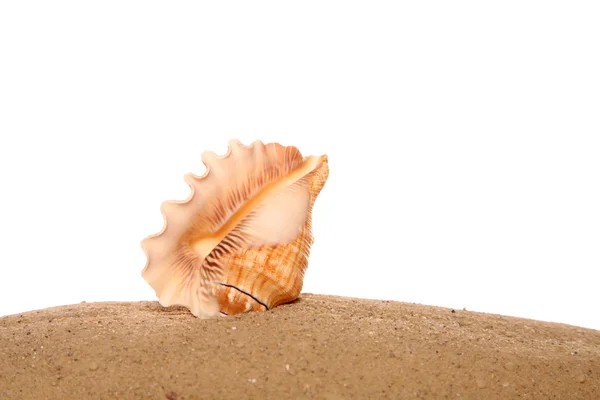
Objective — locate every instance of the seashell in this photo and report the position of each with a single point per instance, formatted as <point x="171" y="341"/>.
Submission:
<point x="241" y="241"/>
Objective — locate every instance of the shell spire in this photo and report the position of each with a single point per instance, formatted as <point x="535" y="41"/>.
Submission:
<point x="241" y="241"/>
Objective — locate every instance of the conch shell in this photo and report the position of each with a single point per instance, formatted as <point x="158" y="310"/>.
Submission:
<point x="241" y="241"/>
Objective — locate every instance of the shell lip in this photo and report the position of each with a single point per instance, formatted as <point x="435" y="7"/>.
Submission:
<point x="232" y="143"/>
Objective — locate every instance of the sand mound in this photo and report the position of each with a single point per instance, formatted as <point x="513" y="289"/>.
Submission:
<point x="320" y="347"/>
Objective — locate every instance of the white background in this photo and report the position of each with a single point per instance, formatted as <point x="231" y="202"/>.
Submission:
<point x="463" y="141"/>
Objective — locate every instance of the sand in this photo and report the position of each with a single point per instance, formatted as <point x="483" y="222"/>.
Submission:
<point x="319" y="347"/>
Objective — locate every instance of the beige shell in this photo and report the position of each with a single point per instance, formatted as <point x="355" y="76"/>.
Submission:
<point x="241" y="241"/>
